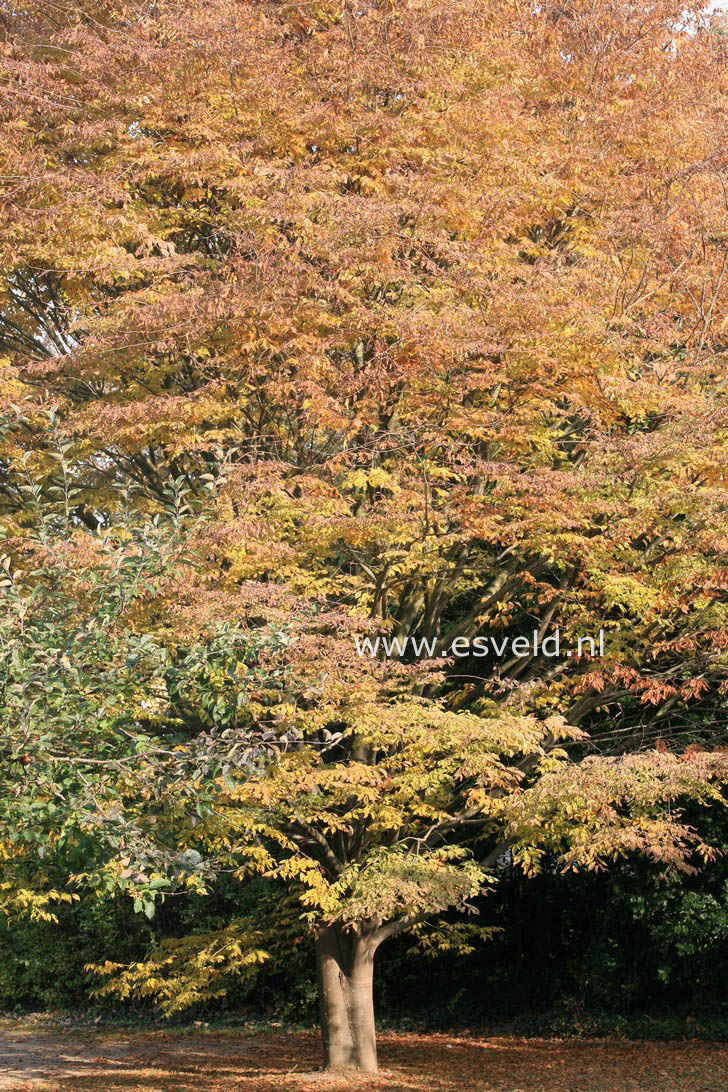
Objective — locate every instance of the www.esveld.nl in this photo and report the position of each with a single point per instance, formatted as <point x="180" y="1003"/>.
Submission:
<point x="430" y="648"/>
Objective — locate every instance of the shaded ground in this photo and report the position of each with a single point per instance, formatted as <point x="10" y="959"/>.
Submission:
<point x="226" y="1061"/>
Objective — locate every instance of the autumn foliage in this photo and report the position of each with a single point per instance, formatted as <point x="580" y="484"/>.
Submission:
<point x="401" y="317"/>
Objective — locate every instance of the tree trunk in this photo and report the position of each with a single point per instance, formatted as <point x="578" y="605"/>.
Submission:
<point x="345" y="963"/>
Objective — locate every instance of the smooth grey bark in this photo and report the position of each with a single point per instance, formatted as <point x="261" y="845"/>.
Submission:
<point x="345" y="965"/>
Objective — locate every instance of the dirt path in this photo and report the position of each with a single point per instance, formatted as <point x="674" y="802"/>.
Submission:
<point x="89" y="1061"/>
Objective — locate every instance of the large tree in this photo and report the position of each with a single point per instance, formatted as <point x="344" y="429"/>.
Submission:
<point x="436" y="294"/>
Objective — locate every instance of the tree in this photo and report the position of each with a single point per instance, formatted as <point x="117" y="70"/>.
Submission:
<point x="438" y="292"/>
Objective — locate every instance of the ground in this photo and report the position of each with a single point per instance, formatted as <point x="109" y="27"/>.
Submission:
<point x="51" y="1059"/>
